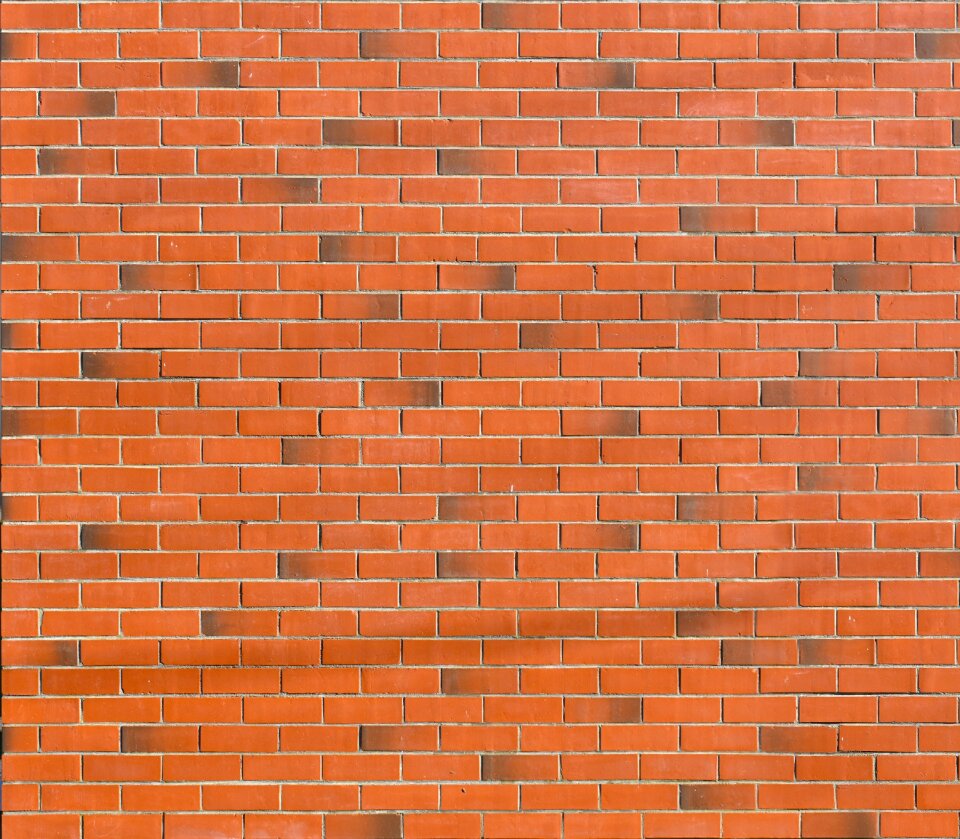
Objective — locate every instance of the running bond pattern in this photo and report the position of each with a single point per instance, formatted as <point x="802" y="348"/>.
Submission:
<point x="480" y="419"/>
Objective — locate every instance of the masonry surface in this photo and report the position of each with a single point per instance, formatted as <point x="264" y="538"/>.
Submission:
<point x="480" y="419"/>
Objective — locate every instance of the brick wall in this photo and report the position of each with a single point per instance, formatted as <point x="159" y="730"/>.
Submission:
<point x="502" y="419"/>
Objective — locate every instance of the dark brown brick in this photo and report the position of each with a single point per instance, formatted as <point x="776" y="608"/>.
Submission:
<point x="455" y="681"/>
<point x="82" y="103"/>
<point x="476" y="508"/>
<point x="714" y="623"/>
<point x="143" y="277"/>
<point x="600" y="537"/>
<point x="120" y="365"/>
<point x="358" y="248"/>
<point x="717" y="797"/>
<point x="544" y="336"/>
<point x="476" y="162"/>
<point x="603" y="709"/>
<point x="478" y="277"/>
<point x="756" y="132"/>
<point x="596" y="75"/>
<point x="18" y="738"/>
<point x="520" y="15"/>
<point x="405" y="45"/>
<point x="861" y="277"/>
<point x="515" y="767"/>
<point x="37" y="422"/>
<point x="306" y="450"/>
<point x="938" y="45"/>
<point x="118" y="537"/>
<point x="281" y="190"/>
<point x="398" y="738"/>
<point x="74" y="161"/>
<point x="826" y="478"/>
<point x="758" y="652"/>
<point x="715" y="508"/>
<point x="837" y="363"/>
<point x="200" y="74"/>
<point x="842" y="825"/>
<point x="468" y="565"/>
<point x="364" y="825"/>
<point x="600" y="423"/>
<point x="402" y="393"/>
<point x="18" y="336"/>
<point x="680" y="306"/>
<point x="799" y="392"/>
<point x="802" y="739"/>
<point x="17" y="247"/>
<point x="708" y="219"/>
<point x="937" y="219"/>
<point x="361" y="132"/>
<point x="836" y="651"/>
<point x="310" y="566"/>
<point x="138" y="739"/>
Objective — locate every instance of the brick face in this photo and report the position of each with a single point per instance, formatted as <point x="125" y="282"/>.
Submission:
<point x="480" y="419"/>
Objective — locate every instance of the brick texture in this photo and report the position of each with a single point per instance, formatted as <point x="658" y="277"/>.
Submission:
<point x="480" y="419"/>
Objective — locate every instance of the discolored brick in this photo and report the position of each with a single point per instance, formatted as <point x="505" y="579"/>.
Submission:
<point x="360" y="132"/>
<point x="860" y="277"/>
<point x="717" y="219"/>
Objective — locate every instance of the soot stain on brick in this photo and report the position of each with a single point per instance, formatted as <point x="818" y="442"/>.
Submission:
<point x="137" y="739"/>
<point x="537" y="336"/>
<point x="134" y="277"/>
<point x="451" y="682"/>
<point x="598" y="75"/>
<point x="497" y="16"/>
<point x="212" y="623"/>
<point x="374" y="738"/>
<point x="96" y="365"/>
<point x="696" y="796"/>
<point x="300" y="190"/>
<point x="281" y="189"/>
<point x="98" y="103"/>
<point x="93" y="537"/>
<point x="393" y="738"/>
<point x="502" y="277"/>
<point x="457" y="565"/>
<point x="66" y="653"/>
<point x="450" y="507"/>
<point x="608" y="423"/>
<point x="292" y="566"/>
<point x="337" y="131"/>
<point x="713" y="623"/>
<point x="385" y="825"/>
<point x="15" y="247"/>
<point x="11" y="423"/>
<point x="459" y="162"/>
<point x="382" y="44"/>
<point x="621" y="709"/>
<point x="717" y="219"/>
<point x="693" y="508"/>
<point x="942" y="422"/>
<point x="937" y="45"/>
<point x="299" y="451"/>
<point x="937" y="219"/>
<point x="385" y="307"/>
<point x="776" y="132"/>
<point x="52" y="161"/>
<point x="222" y="73"/>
